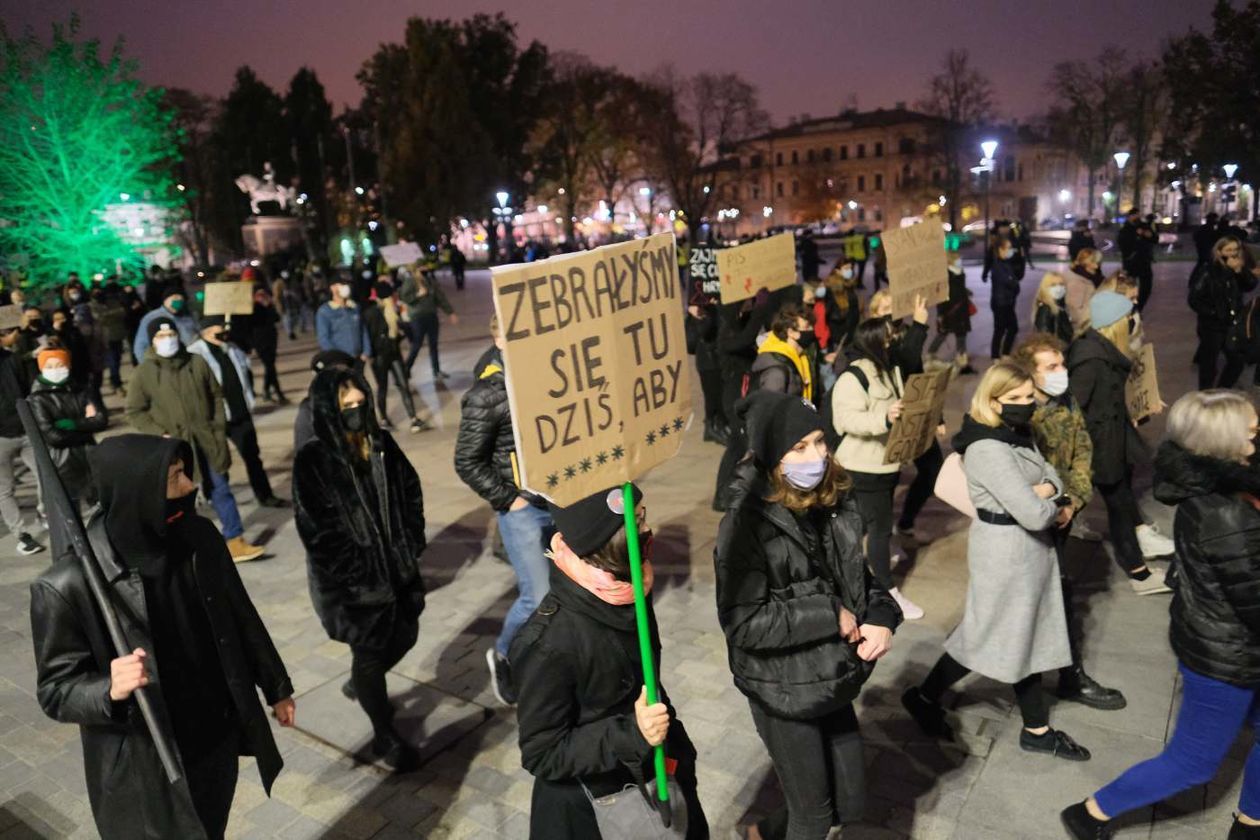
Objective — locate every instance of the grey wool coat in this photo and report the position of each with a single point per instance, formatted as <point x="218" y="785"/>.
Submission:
<point x="1013" y="624"/>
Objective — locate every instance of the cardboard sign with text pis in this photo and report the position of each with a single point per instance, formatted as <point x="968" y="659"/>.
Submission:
<point x="596" y="365"/>
<point x="404" y="253"/>
<point x="229" y="299"/>
<point x="765" y="263"/>
<point x="10" y="317"/>
<point x="917" y="265"/>
<point x="922" y="406"/>
<point x="1141" y="391"/>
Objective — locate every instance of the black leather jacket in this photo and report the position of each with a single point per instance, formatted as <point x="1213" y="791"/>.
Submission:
<point x="68" y="447"/>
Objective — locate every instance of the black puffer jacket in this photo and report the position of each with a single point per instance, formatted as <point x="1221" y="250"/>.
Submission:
<point x="362" y="523"/>
<point x="68" y="447"/>
<point x="1216" y="295"/>
<point x="384" y="348"/>
<point x="1053" y="321"/>
<point x="1215" y="609"/>
<point x="1098" y="372"/>
<point x="779" y="598"/>
<point x="485" y="450"/>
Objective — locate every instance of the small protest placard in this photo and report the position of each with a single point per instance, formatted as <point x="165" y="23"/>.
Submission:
<point x="404" y="253"/>
<point x="10" y="317"/>
<point x="917" y="265"/>
<point x="229" y="298"/>
<point x="922" y="406"/>
<point x="765" y="263"/>
<point x="1141" y="392"/>
<point x="595" y="362"/>
<point x="703" y="270"/>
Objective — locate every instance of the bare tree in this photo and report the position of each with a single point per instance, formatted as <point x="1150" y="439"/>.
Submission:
<point x="1143" y="110"/>
<point x="962" y="97"/>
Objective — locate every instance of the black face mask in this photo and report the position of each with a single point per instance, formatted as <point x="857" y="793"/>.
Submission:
<point x="807" y="339"/>
<point x="1018" y="416"/>
<point x="354" y="419"/>
<point x="178" y="509"/>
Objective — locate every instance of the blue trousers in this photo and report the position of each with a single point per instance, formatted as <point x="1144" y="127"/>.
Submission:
<point x="224" y="503"/>
<point x="525" y="533"/>
<point x="1212" y="713"/>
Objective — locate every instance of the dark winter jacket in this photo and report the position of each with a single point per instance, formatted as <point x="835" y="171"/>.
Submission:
<point x="737" y="336"/>
<point x="1215" y="628"/>
<point x="15" y="383"/>
<point x="702" y="338"/>
<point x="384" y="348"/>
<point x="428" y="303"/>
<point x="774" y="372"/>
<point x="59" y="412"/>
<point x="905" y="350"/>
<point x="1216" y="295"/>
<point x="1079" y="241"/>
<point x="362" y="523"/>
<point x="1054" y="321"/>
<point x="1005" y="283"/>
<point x="259" y="333"/>
<point x="1098" y="372"/>
<point x="954" y="315"/>
<point x="779" y="594"/>
<point x="127" y="787"/>
<point x="485" y="450"/>
<point x="180" y="397"/>
<point x="578" y="672"/>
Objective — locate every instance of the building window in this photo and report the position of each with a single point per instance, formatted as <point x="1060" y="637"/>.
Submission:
<point x="879" y="149"/>
<point x="795" y="158"/>
<point x="826" y="154"/>
<point x="796" y="187"/>
<point x="861" y="214"/>
<point x="879" y="215"/>
<point x="844" y="153"/>
<point x="905" y="146"/>
<point x="861" y="150"/>
<point x="756" y="192"/>
<point x="778" y="189"/>
<point x="778" y="158"/>
<point x="1020" y="175"/>
<point x="861" y="181"/>
<point x="754" y="162"/>
<point x="1008" y="167"/>
<point x="879" y="182"/>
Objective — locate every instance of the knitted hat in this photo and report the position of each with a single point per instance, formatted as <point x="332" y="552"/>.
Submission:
<point x="52" y="353"/>
<point x="776" y="423"/>
<point x="331" y="358"/>
<point x="159" y="324"/>
<point x="1105" y="308"/>
<point x="383" y="290"/>
<point x="589" y="524"/>
<point x="213" y="321"/>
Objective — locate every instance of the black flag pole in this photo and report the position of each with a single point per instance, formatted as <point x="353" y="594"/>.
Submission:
<point x="63" y="516"/>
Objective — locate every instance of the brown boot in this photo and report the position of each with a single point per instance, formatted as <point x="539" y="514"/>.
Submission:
<point x="243" y="552"/>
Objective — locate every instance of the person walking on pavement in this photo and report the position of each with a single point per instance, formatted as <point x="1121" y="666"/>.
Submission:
<point x="231" y="370"/>
<point x="1205" y="469"/>
<point x="1137" y="241"/>
<point x="804" y="618"/>
<point x="175" y="394"/>
<point x="1013" y="626"/>
<point x="1006" y="272"/>
<point x="189" y="619"/>
<point x="339" y="325"/>
<point x="111" y="319"/>
<point x="1062" y="437"/>
<point x="701" y="326"/>
<point x="807" y="251"/>
<point x="174" y="309"/>
<point x="383" y="323"/>
<point x="15" y="384"/>
<point x="485" y="460"/>
<point x="68" y="418"/>
<point x="458" y="265"/>
<point x="953" y="317"/>
<point x="423" y="298"/>
<point x="1216" y="296"/>
<point x="264" y="341"/>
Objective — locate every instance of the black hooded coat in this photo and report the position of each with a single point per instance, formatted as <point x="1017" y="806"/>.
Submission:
<point x="362" y="522"/>
<point x="127" y="787"/>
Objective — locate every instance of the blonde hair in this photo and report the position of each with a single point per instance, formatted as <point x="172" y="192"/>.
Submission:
<point x="1117" y="332"/>
<point x="1050" y="278"/>
<point x="1087" y="255"/>
<point x="999" y="380"/>
<point x="1119" y="282"/>
<point x="1218" y="250"/>
<point x="1214" y="423"/>
<point x="876" y="299"/>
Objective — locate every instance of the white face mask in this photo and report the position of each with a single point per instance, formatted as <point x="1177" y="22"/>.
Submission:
<point x="166" y="347"/>
<point x="56" y="375"/>
<point x="955" y="268"/>
<point x="846" y="273"/>
<point x="820" y="291"/>
<point x="1056" y="382"/>
<point x="343" y="291"/>
<point x="1058" y="292"/>
<point x="366" y="275"/>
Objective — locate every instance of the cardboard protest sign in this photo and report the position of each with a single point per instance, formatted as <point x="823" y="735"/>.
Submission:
<point x="404" y="253"/>
<point x="10" y="317"/>
<point x="922" y="406"/>
<point x="917" y="265"/>
<point x="1141" y="392"/>
<point x="765" y="263"/>
<point x="703" y="270"/>
<point x="596" y="367"/>
<point x="229" y="299"/>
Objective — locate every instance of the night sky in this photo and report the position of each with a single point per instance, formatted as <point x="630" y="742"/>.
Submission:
<point x="805" y="56"/>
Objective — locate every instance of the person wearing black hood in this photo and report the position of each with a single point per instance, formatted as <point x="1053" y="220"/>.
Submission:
<point x="304" y="422"/>
<point x="198" y="644"/>
<point x="1216" y="296"/>
<point x="585" y="727"/>
<point x="739" y="324"/>
<point x="384" y="326"/>
<point x="1014" y="626"/>
<point x="360" y="514"/>
<point x="804" y="617"/>
<point x="1206" y="469"/>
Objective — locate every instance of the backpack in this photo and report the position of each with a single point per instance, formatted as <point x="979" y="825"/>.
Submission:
<point x="749" y="382"/>
<point x="830" y="434"/>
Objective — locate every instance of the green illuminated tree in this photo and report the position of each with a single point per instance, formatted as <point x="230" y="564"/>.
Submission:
<point x="77" y="134"/>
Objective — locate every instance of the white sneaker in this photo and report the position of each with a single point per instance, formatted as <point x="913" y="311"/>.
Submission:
<point x="909" y="609"/>
<point x="1153" y="543"/>
<point x="1084" y="533"/>
<point x="1153" y="585"/>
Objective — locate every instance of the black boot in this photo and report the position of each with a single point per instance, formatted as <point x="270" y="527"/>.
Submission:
<point x="1241" y="831"/>
<point x="1080" y="687"/>
<point x="1053" y="742"/>
<point x="394" y="752"/>
<point x="1082" y="826"/>
<point x="715" y="432"/>
<point x="928" y="714"/>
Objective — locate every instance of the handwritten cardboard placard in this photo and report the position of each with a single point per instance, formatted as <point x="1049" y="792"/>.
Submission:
<point x="595" y="359"/>
<point x="404" y="253"/>
<point x="10" y="317"/>
<point x="1141" y="391"/>
<point x="922" y="406"/>
<point x="230" y="298"/>
<point x="917" y="265"/>
<point x="765" y="263"/>
<point x="702" y="268"/>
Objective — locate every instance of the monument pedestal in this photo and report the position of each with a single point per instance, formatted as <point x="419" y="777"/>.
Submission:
<point x="267" y="235"/>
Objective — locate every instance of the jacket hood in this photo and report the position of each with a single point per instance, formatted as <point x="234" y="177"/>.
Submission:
<point x="973" y="430"/>
<point x="326" y="408"/>
<point x="490" y="363"/>
<point x="1181" y="475"/>
<point x="1092" y="345"/>
<point x="130" y="472"/>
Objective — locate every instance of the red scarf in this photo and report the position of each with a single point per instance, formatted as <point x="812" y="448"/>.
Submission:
<point x="600" y="583"/>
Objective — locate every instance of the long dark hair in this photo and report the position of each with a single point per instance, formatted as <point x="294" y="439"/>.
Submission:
<point x="870" y="340"/>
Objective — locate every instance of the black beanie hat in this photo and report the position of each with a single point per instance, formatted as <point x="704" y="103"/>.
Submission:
<point x="331" y="358"/>
<point x="156" y="325"/>
<point x="383" y="290"/>
<point x="214" y="321"/>
<point x="775" y="423"/>
<point x="589" y="524"/>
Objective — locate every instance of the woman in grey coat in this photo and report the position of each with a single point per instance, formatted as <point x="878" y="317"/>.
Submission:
<point x="1013" y="626"/>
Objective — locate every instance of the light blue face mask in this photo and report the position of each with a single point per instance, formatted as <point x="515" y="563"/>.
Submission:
<point x="805" y="475"/>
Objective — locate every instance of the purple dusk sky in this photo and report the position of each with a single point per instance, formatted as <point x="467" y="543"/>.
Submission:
<point x="804" y="56"/>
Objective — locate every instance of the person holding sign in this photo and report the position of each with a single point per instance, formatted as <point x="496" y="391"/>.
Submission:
<point x="586" y="729"/>
<point x="1013" y="627"/>
<point x="804" y="618"/>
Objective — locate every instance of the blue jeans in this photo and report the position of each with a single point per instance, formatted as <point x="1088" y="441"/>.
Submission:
<point x="525" y="535"/>
<point x="1211" y="714"/>
<point x="422" y="327"/>
<point x="224" y="503"/>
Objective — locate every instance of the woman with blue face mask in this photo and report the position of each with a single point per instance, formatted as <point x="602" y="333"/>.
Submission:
<point x="803" y="617"/>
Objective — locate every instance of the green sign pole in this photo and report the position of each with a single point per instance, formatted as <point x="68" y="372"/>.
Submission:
<point x="645" y="633"/>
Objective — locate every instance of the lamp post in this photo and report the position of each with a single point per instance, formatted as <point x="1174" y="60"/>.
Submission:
<point x="988" y="148"/>
<point x="1228" y="192"/>
<point x="503" y="213"/>
<point x="1121" y="159"/>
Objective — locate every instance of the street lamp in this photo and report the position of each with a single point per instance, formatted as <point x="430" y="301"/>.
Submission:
<point x="989" y="149"/>
<point x="1121" y="159"/>
<point x="1230" y="187"/>
<point x="1230" y="169"/>
<point x="502" y="196"/>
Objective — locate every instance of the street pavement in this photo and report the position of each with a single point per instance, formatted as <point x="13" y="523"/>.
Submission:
<point x="472" y="785"/>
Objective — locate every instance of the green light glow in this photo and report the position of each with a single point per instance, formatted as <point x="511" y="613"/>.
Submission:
<point x="77" y="133"/>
